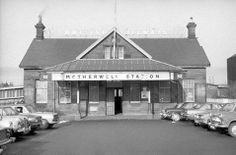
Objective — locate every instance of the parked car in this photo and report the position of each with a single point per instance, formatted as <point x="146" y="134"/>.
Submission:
<point x="10" y="119"/>
<point x="166" y="113"/>
<point x="176" y="111"/>
<point x="34" y="120"/>
<point x="189" y="114"/>
<point x="225" y="119"/>
<point x="203" y="118"/>
<point x="5" y="138"/>
<point x="49" y="119"/>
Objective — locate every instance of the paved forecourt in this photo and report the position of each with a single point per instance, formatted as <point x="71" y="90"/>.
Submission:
<point x="125" y="137"/>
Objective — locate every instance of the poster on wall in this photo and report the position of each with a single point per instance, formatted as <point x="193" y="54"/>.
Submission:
<point x="144" y="93"/>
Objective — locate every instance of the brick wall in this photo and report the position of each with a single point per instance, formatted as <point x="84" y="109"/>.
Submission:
<point x="199" y="75"/>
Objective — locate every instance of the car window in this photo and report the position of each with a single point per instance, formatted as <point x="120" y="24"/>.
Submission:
<point x="9" y="111"/>
<point x="2" y="112"/>
<point x="228" y="107"/>
<point x="216" y="106"/>
<point x="31" y="109"/>
<point x="234" y="109"/>
<point x="197" y="106"/>
<point x="19" y="109"/>
<point x="179" y="105"/>
<point x="188" y="105"/>
<point x="206" y="107"/>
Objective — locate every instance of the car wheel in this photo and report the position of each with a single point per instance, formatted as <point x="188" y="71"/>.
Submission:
<point x="232" y="129"/>
<point x="45" y="124"/>
<point x="175" y="117"/>
<point x="51" y="126"/>
<point x="195" y="124"/>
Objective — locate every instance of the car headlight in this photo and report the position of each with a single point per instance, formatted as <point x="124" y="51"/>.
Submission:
<point x="197" y="116"/>
<point x="17" y="125"/>
<point x="217" y="119"/>
<point x="31" y="119"/>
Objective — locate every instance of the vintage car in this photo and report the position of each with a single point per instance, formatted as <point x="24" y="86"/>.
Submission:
<point x="203" y="118"/>
<point x="10" y="119"/>
<point x="34" y="120"/>
<point x="189" y="114"/>
<point x="48" y="118"/>
<point x="166" y="113"/>
<point x="5" y="138"/>
<point x="176" y="111"/>
<point x="225" y="119"/>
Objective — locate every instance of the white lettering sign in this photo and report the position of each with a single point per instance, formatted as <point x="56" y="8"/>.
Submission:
<point x="110" y="76"/>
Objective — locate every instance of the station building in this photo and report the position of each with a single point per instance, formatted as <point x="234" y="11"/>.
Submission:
<point x="113" y="74"/>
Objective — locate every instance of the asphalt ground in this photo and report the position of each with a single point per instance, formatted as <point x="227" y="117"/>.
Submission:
<point x="124" y="137"/>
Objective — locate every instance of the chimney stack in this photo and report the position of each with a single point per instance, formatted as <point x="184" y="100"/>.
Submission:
<point x="40" y="29"/>
<point x="191" y="29"/>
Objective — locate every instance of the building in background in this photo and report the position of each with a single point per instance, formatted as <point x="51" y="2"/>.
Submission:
<point x="113" y="74"/>
<point x="11" y="95"/>
<point x="231" y="75"/>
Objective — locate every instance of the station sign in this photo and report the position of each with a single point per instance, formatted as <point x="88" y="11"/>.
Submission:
<point x="113" y="76"/>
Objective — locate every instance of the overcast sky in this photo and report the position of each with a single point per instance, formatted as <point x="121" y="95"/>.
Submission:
<point x="215" y="19"/>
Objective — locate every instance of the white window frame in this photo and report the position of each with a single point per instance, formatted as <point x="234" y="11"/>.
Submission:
<point x="65" y="86"/>
<point x="107" y="52"/>
<point x="41" y="91"/>
<point x="121" y="50"/>
<point x="189" y="90"/>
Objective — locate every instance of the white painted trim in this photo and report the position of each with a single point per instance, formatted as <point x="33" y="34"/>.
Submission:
<point x="135" y="45"/>
<point x="106" y="35"/>
<point x="94" y="44"/>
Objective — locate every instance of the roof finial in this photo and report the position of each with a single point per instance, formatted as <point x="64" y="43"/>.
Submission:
<point x="40" y="18"/>
<point x="115" y="14"/>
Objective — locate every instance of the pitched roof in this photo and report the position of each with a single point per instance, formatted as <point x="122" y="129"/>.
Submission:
<point x="178" y="52"/>
<point x="113" y="65"/>
<point x="175" y="51"/>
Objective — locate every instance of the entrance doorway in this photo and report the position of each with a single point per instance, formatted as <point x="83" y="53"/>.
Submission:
<point x="118" y="94"/>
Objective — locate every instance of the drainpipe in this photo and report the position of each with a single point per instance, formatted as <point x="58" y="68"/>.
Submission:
<point x="53" y="96"/>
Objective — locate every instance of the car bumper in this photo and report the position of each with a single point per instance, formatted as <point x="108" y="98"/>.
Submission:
<point x="23" y="130"/>
<point x="53" y="122"/>
<point x="35" y="125"/>
<point x="215" y="125"/>
<point x="201" y="121"/>
<point x="165" y="115"/>
<point x="6" y="141"/>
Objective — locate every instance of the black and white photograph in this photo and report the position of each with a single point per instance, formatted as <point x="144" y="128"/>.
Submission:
<point x="117" y="77"/>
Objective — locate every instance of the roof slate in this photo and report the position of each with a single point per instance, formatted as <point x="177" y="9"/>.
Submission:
<point x="113" y="65"/>
<point x="176" y="51"/>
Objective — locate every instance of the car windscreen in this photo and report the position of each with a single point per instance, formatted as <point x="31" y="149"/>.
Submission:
<point x="188" y="105"/>
<point x="31" y="109"/>
<point x="9" y="111"/>
<point x="179" y="105"/>
<point x="197" y="106"/>
<point x="228" y="107"/>
<point x="205" y="107"/>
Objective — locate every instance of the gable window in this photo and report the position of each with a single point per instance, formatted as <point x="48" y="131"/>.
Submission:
<point x="41" y="91"/>
<point x="108" y="52"/>
<point x="121" y="52"/>
<point x="111" y="54"/>
<point x="64" y="92"/>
